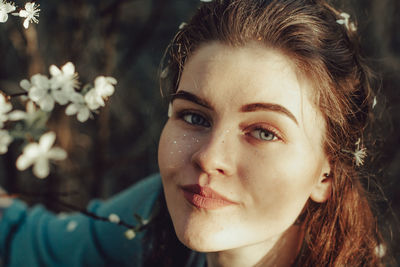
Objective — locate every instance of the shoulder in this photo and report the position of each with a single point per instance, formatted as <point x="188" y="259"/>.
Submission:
<point x="138" y="199"/>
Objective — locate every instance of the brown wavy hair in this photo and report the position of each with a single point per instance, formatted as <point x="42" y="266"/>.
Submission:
<point x="343" y="230"/>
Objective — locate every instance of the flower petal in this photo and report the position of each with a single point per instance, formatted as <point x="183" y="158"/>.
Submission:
<point x="26" y="23"/>
<point x="30" y="107"/>
<point x="77" y="98"/>
<point x="36" y="93"/>
<point x="5" y="140"/>
<point x="8" y="8"/>
<point x="25" y="84"/>
<point x="46" y="141"/>
<point x="130" y="234"/>
<point x="68" y="68"/>
<point x="40" y="80"/>
<point x="3" y="17"/>
<point x="72" y="109"/>
<point x="60" y="97"/>
<point x="54" y="70"/>
<point x="16" y="115"/>
<point x="92" y="99"/>
<point x="83" y="114"/>
<point x="46" y="103"/>
<point x="32" y="150"/>
<point x="111" y="80"/>
<point x="41" y="168"/>
<point x="23" y="162"/>
<point x="23" y="13"/>
<point x="57" y="153"/>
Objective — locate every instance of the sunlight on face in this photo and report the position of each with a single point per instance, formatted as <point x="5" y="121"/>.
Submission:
<point x="242" y="151"/>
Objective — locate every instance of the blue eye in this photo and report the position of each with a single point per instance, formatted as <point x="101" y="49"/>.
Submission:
<point x="195" y="119"/>
<point x="263" y="134"/>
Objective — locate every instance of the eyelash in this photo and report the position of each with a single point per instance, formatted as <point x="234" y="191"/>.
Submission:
<point x="183" y="114"/>
<point x="205" y="123"/>
<point x="267" y="131"/>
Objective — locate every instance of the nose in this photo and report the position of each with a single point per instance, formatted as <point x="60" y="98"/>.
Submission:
<point x="215" y="154"/>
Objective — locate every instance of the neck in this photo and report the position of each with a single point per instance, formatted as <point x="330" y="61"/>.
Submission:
<point x="280" y="251"/>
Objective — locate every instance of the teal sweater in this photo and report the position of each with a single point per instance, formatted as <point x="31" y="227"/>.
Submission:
<point x="37" y="237"/>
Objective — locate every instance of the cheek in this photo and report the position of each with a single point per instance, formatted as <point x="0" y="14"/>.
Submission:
<point x="175" y="149"/>
<point x="279" y="182"/>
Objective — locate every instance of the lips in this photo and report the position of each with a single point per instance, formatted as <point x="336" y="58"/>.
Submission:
<point x="205" y="197"/>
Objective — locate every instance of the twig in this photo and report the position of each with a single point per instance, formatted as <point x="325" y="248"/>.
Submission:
<point x="141" y="226"/>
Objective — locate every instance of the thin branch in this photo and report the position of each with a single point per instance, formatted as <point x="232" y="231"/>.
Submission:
<point x="18" y="94"/>
<point x="49" y="196"/>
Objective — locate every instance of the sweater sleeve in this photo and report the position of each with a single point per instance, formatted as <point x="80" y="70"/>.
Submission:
<point x="37" y="237"/>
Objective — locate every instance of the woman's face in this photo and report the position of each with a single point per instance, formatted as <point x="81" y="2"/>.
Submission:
<point x="242" y="151"/>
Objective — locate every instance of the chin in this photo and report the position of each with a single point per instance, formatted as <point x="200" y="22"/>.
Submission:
<point x="202" y="242"/>
<point x="207" y="236"/>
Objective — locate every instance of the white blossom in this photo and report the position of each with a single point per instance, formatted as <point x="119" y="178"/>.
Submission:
<point x="71" y="226"/>
<point x="39" y="154"/>
<point x="5" y="8"/>
<point x="345" y="20"/>
<point x="374" y="102"/>
<point x="164" y="73"/>
<point x="359" y="153"/>
<point x="114" y="218"/>
<point x="182" y="25"/>
<point x="79" y="107"/>
<point x="31" y="12"/>
<point x="130" y="234"/>
<point x="29" y="116"/>
<point x="64" y="81"/>
<point x="39" y="91"/>
<point x="5" y="141"/>
<point x="380" y="250"/>
<point x="5" y="107"/>
<point x="103" y="88"/>
<point x="93" y="99"/>
<point x="359" y="156"/>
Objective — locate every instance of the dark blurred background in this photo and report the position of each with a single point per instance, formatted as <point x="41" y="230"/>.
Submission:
<point x="126" y="39"/>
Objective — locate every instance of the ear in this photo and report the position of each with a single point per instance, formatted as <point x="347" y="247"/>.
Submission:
<point x="323" y="188"/>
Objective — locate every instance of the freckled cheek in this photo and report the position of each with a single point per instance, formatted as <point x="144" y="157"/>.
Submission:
<point x="176" y="148"/>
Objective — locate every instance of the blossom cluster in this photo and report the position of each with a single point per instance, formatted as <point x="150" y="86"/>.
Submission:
<point x="30" y="13"/>
<point x="42" y="93"/>
<point x="62" y="88"/>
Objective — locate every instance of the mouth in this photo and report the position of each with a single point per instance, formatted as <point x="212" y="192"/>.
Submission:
<point x="205" y="197"/>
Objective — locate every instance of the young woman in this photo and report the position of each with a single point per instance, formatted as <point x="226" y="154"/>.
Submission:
<point x="260" y="160"/>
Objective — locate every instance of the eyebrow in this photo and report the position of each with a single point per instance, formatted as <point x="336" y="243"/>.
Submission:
<point x="253" y="107"/>
<point x="268" y="107"/>
<point x="192" y="98"/>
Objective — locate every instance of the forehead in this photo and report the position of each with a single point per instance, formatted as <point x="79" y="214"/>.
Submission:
<point x="252" y="73"/>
